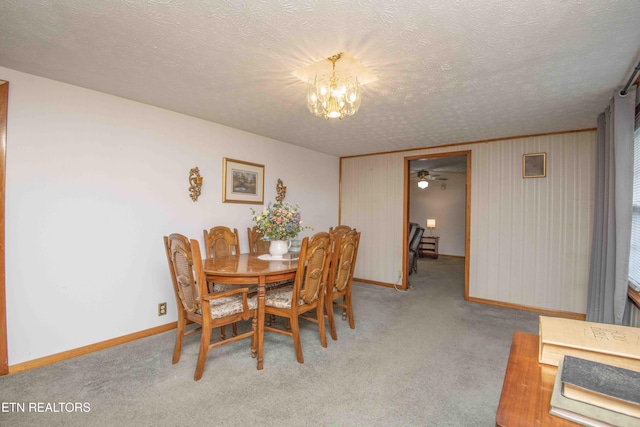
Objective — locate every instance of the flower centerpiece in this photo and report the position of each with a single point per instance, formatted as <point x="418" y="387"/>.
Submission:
<point x="279" y="222"/>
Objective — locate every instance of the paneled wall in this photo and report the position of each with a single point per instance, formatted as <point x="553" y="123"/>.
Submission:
<point x="530" y="238"/>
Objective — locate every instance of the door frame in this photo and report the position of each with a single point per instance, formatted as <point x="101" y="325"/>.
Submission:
<point x="4" y="106"/>
<point x="405" y="226"/>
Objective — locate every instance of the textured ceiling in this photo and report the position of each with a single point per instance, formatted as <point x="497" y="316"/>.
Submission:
<point x="448" y="71"/>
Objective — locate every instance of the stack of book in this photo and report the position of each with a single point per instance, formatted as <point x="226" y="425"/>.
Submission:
<point x="598" y="377"/>
<point x="596" y="394"/>
<point x="611" y="344"/>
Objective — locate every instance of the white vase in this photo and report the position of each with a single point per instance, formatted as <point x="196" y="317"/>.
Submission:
<point x="277" y="248"/>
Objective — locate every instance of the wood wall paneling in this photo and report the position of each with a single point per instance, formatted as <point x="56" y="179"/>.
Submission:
<point x="529" y="239"/>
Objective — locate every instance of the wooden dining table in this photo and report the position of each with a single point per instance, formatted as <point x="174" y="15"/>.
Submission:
<point x="247" y="269"/>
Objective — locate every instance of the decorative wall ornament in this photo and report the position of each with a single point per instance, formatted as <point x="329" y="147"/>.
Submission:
<point x="281" y="191"/>
<point x="196" y="183"/>
<point x="534" y="165"/>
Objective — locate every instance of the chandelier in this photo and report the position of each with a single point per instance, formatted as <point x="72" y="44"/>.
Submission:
<point x="333" y="97"/>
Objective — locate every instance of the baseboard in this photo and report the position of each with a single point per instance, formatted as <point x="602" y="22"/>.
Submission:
<point x="373" y="282"/>
<point x="566" y="314"/>
<point x="54" y="358"/>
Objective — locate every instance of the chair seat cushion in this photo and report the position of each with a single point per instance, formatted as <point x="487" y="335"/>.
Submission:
<point x="280" y="297"/>
<point x="227" y="306"/>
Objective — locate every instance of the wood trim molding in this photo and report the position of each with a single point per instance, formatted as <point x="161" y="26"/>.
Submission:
<point x="566" y="314"/>
<point x="467" y="238"/>
<point x="634" y="297"/>
<point x="373" y="282"/>
<point x="457" y="144"/>
<point x="4" y="107"/>
<point x="59" y="357"/>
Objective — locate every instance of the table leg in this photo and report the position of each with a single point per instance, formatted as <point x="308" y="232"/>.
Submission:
<point x="261" y="293"/>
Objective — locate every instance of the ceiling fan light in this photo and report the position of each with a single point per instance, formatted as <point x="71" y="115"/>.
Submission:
<point x="423" y="184"/>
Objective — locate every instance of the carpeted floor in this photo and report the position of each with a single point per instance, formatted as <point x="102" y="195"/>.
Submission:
<point x="419" y="358"/>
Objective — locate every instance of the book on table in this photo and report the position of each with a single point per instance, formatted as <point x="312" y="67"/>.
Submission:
<point x="611" y="344"/>
<point x="584" y="413"/>
<point x="603" y="385"/>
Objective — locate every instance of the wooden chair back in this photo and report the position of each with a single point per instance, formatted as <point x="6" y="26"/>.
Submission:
<point x="313" y="267"/>
<point x="343" y="260"/>
<point x="181" y="267"/>
<point x="256" y="244"/>
<point x="221" y="241"/>
<point x="339" y="229"/>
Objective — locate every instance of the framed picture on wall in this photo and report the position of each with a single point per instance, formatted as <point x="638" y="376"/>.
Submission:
<point x="534" y="165"/>
<point x="242" y="182"/>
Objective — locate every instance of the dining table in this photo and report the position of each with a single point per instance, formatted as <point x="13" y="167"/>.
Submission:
<point x="247" y="269"/>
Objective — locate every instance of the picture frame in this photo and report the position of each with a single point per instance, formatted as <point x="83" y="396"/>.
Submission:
<point x="242" y="182"/>
<point x="534" y="165"/>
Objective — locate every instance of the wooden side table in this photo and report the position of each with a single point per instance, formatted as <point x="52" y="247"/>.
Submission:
<point x="527" y="388"/>
<point x="429" y="247"/>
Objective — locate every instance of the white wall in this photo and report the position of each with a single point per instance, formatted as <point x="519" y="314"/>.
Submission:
<point x="530" y="238"/>
<point x="447" y="205"/>
<point x="94" y="182"/>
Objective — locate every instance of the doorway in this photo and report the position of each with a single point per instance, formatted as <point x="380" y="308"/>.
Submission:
<point x="437" y="198"/>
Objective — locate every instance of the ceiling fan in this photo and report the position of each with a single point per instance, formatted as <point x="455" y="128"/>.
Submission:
<point x="423" y="174"/>
<point x="424" y="178"/>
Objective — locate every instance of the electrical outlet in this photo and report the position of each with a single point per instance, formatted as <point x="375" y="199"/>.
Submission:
<point x="162" y="309"/>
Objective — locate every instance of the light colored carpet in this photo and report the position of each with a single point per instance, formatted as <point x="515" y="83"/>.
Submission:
<point x="419" y="358"/>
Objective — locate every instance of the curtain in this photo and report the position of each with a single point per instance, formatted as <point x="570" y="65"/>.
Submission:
<point x="610" y="245"/>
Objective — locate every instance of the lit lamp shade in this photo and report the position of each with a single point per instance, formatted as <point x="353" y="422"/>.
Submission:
<point x="431" y="223"/>
<point x="422" y="184"/>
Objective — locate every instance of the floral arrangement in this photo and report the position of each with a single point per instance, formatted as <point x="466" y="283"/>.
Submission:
<point x="280" y="221"/>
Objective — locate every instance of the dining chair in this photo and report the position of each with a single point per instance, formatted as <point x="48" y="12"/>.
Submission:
<point x="259" y="246"/>
<point x="222" y="241"/>
<point x="256" y="244"/>
<point x="197" y="305"/>
<point x="339" y="282"/>
<point x="306" y="293"/>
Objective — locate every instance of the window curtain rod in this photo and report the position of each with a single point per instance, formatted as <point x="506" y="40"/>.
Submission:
<point x="623" y="92"/>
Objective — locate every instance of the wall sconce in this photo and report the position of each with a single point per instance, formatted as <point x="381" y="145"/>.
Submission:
<point x="431" y="224"/>
<point x="195" y="181"/>
<point x="281" y="191"/>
